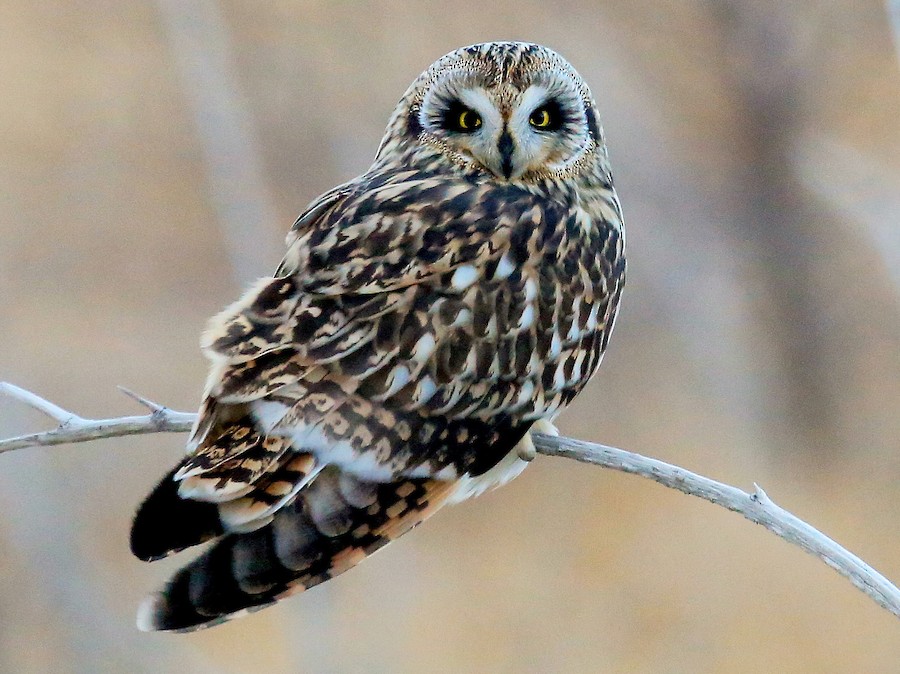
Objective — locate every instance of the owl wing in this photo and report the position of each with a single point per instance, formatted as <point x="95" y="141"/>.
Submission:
<point x="405" y="292"/>
<point x="351" y="391"/>
<point x="399" y="228"/>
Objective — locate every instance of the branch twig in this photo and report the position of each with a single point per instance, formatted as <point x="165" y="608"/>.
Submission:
<point x="73" y="428"/>
<point x="756" y="507"/>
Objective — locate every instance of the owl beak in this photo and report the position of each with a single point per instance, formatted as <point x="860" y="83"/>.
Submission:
<point x="506" y="147"/>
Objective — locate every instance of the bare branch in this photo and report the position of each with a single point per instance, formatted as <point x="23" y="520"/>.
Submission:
<point x="756" y="507"/>
<point x="53" y="411"/>
<point x="73" y="428"/>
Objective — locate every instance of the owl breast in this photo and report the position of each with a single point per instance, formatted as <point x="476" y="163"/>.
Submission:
<point x="529" y="333"/>
<point x="515" y="338"/>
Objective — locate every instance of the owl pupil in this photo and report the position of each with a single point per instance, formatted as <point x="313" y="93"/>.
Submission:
<point x="541" y="118"/>
<point x="461" y="119"/>
<point x="547" y="117"/>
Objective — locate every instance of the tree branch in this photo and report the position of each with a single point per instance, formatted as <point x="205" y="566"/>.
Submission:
<point x="73" y="428"/>
<point x="756" y="507"/>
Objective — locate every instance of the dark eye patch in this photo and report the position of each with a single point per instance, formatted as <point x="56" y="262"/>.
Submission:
<point x="593" y="126"/>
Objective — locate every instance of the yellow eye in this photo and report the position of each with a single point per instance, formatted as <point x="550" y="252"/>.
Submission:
<point x="468" y="120"/>
<point x="541" y="118"/>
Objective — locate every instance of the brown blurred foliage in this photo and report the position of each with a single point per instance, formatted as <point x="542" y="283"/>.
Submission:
<point x="757" y="155"/>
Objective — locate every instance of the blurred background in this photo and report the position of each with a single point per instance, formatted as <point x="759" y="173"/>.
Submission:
<point x="154" y="153"/>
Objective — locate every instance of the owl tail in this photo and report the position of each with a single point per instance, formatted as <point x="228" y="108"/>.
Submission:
<point x="332" y="525"/>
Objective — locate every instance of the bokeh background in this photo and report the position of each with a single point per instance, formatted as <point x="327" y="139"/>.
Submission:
<point x="154" y="153"/>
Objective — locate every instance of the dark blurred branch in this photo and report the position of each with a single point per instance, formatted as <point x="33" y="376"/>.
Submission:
<point x="767" y="47"/>
<point x="756" y="507"/>
<point x="868" y="199"/>
<point x="244" y="204"/>
<point x="893" y="10"/>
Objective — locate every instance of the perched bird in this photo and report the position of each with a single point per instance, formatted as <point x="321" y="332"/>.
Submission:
<point x="428" y="316"/>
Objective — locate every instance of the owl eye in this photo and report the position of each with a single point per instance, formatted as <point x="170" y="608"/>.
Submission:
<point x="461" y="119"/>
<point x="547" y="117"/>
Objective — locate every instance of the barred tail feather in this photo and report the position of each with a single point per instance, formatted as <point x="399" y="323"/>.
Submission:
<point x="330" y="527"/>
<point x="166" y="523"/>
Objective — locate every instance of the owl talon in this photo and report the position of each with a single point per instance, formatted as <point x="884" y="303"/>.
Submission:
<point x="527" y="453"/>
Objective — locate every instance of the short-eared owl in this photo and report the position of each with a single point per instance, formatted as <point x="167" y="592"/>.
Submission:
<point x="427" y="317"/>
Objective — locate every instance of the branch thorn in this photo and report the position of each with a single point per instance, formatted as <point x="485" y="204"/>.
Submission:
<point x="155" y="408"/>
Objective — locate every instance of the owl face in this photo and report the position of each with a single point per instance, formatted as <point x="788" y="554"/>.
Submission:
<point x="517" y="111"/>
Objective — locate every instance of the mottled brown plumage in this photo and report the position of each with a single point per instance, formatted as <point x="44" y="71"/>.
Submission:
<point x="427" y="315"/>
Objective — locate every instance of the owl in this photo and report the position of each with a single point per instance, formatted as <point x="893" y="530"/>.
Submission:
<point x="427" y="318"/>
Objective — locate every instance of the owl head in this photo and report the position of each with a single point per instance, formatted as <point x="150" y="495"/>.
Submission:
<point x="512" y="110"/>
